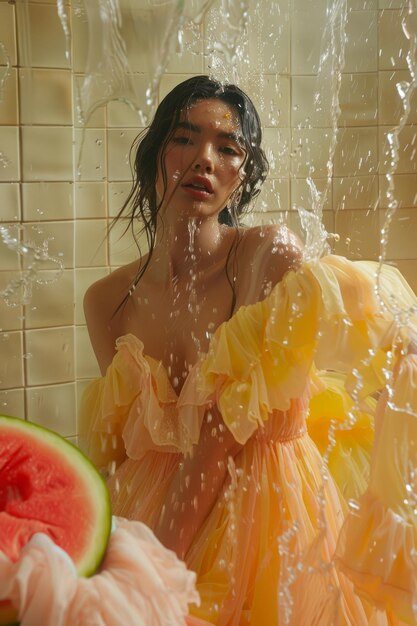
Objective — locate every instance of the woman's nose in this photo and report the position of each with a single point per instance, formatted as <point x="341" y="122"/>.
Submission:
<point x="204" y="159"/>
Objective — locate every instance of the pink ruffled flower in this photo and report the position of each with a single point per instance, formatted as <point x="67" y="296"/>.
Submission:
<point x="140" y="583"/>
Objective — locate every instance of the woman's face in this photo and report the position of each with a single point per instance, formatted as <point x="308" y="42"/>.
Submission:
<point x="202" y="161"/>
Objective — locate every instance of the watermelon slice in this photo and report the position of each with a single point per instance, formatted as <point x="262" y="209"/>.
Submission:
<point x="47" y="485"/>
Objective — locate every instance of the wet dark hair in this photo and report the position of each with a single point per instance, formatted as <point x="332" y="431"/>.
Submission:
<point x="142" y="200"/>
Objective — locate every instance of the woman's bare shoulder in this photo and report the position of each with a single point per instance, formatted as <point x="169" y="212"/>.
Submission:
<point x="274" y="249"/>
<point x="109" y="291"/>
<point x="101" y="302"/>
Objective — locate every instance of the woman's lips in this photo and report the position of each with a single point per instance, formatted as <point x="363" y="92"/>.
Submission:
<point x="197" y="193"/>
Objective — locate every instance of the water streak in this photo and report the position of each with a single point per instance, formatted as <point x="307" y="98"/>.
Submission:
<point x="37" y="259"/>
<point x="405" y="90"/>
<point x="65" y="27"/>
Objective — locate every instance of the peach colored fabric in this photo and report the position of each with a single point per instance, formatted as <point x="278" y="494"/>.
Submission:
<point x="140" y="583"/>
<point x="296" y="378"/>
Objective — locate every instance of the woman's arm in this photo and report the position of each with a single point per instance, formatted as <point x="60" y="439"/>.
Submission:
<point x="104" y="327"/>
<point x="196" y="485"/>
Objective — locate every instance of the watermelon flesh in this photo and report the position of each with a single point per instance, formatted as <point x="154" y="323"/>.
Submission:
<point x="47" y="485"/>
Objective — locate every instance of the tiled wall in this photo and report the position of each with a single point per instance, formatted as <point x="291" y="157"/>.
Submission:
<point x="46" y="358"/>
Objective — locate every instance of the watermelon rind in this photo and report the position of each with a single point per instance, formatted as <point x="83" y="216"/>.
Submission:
<point x="97" y="490"/>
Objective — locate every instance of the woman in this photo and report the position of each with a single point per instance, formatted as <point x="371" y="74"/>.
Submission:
<point x="208" y="348"/>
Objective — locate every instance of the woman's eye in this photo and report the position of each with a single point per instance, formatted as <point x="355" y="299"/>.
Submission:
<point x="181" y="140"/>
<point x="228" y="150"/>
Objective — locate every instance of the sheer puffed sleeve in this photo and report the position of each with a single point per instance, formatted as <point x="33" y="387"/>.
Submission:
<point x="325" y="315"/>
<point x="133" y="409"/>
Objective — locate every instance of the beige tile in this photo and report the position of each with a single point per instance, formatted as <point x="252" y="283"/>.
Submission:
<point x="401" y="234"/>
<point x="258" y="218"/>
<point x="361" y="52"/>
<point x="358" y="99"/>
<point x="54" y="160"/>
<point x="118" y="193"/>
<point x="390" y="103"/>
<point x="274" y="196"/>
<point x="304" y="113"/>
<point x="271" y="96"/>
<point x="9" y="153"/>
<point x="143" y="30"/>
<point x="56" y="239"/>
<point x="47" y="201"/>
<point x="52" y="355"/>
<point x="151" y="24"/>
<point x="169" y="81"/>
<point x="301" y="194"/>
<point x="408" y="269"/>
<point x="189" y="58"/>
<point x="12" y="402"/>
<point x="90" y="154"/>
<point x="52" y="303"/>
<point x="11" y="363"/>
<point x="355" y="192"/>
<point x="45" y="51"/>
<point x="8" y="33"/>
<point x="358" y="231"/>
<point x="9" y="114"/>
<point x="11" y="317"/>
<point x="9" y="202"/>
<point x="407" y="161"/>
<point x="123" y="115"/>
<point x="362" y="5"/>
<point x="393" y="4"/>
<point x="90" y="243"/>
<point x="94" y="118"/>
<point x="86" y="362"/>
<point x="310" y="151"/>
<point x="405" y="190"/>
<point x="90" y="199"/>
<point x="45" y="96"/>
<point x="269" y="41"/>
<point x="276" y="143"/>
<point x="291" y="219"/>
<point x="81" y="386"/>
<point x="9" y="241"/>
<point x="80" y="40"/>
<point x="392" y="41"/>
<point x="123" y="249"/>
<point x="53" y="407"/>
<point x="356" y="152"/>
<point x="306" y="35"/>
<point x="84" y="277"/>
<point x="119" y="144"/>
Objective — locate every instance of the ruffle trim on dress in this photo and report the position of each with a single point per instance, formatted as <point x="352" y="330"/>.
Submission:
<point x="325" y="314"/>
<point x="140" y="583"/>
<point x="377" y="550"/>
<point x="136" y="399"/>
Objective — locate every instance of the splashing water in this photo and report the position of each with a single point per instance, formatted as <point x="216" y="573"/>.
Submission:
<point x="37" y="259"/>
<point x="5" y="70"/>
<point x="405" y="90"/>
<point x="65" y="27"/>
<point x="332" y="62"/>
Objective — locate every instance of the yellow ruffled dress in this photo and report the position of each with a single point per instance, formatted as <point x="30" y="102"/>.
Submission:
<point x="316" y="524"/>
